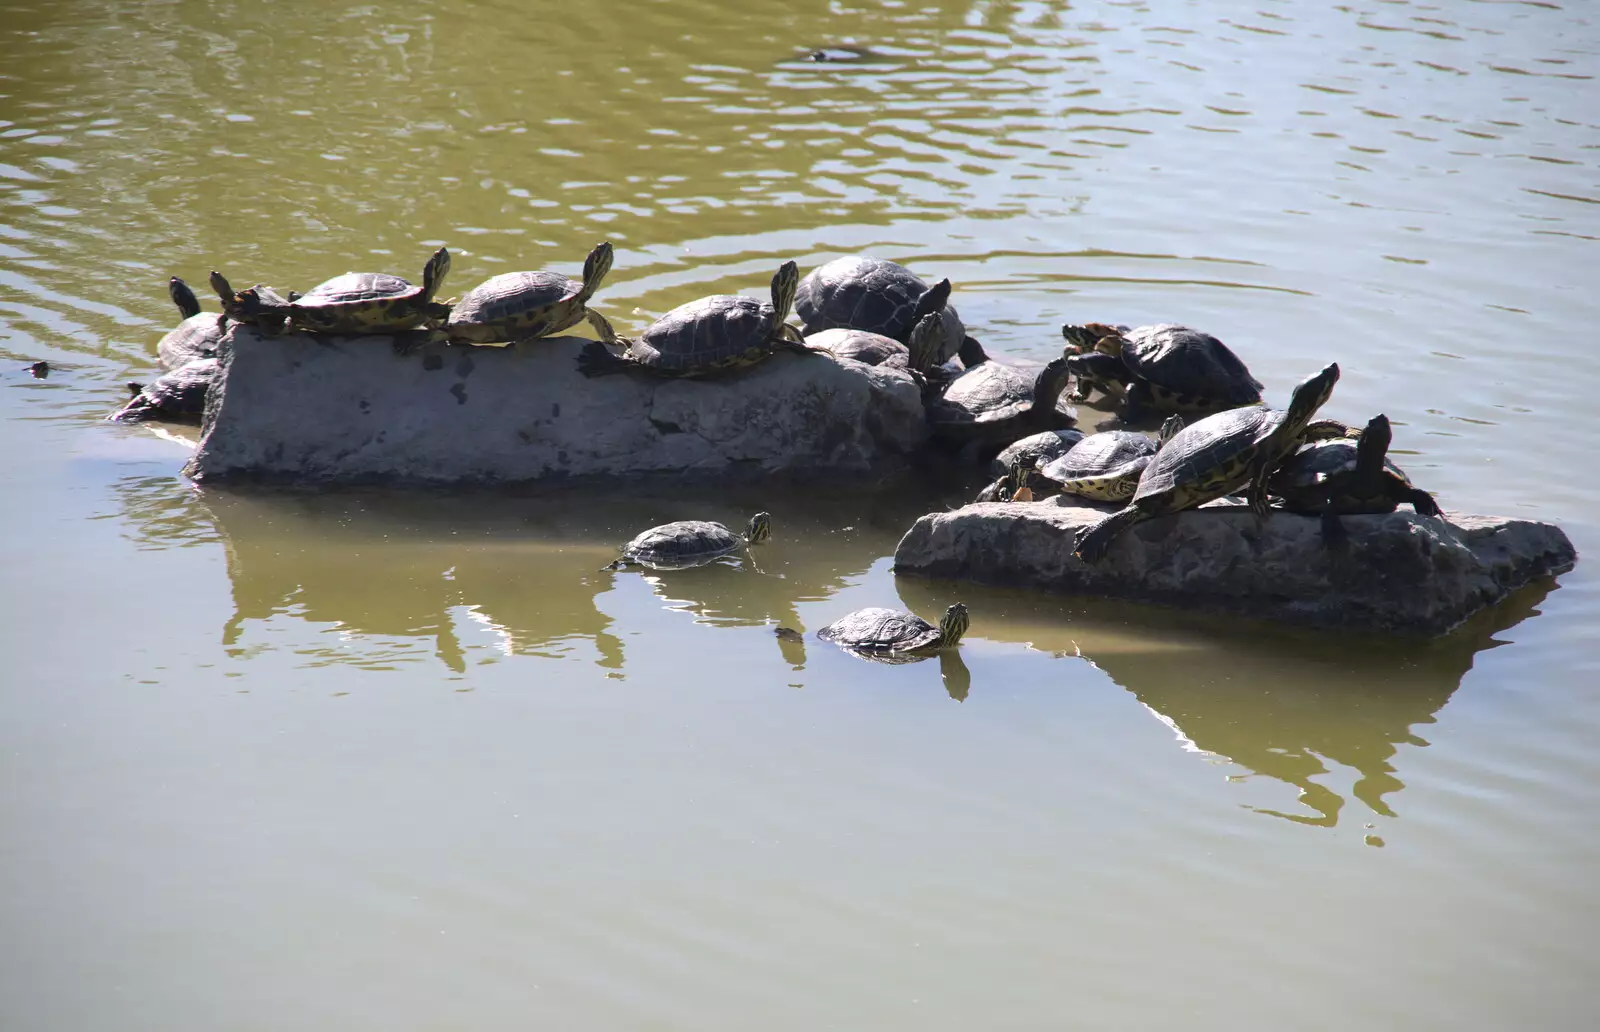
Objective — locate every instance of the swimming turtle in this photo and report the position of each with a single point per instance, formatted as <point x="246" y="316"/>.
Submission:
<point x="996" y="403"/>
<point x="686" y="543"/>
<point x="725" y="331"/>
<point x="1213" y="457"/>
<point x="1347" y="477"/>
<point x="357" y="302"/>
<point x="1105" y="466"/>
<point x="1166" y="367"/>
<point x="858" y="345"/>
<point x="197" y="336"/>
<point x="876" y="295"/>
<point x="531" y="304"/>
<point x="894" y="634"/>
<point x="177" y="395"/>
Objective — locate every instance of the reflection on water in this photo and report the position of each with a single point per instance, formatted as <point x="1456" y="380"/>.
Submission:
<point x="1281" y="703"/>
<point x="528" y="567"/>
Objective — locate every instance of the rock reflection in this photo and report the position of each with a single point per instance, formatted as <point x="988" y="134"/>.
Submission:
<point x="383" y="565"/>
<point x="1284" y="704"/>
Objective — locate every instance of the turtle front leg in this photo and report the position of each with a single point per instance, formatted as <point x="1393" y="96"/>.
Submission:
<point x="601" y="326"/>
<point x="1257" y="493"/>
<point x="1334" y="533"/>
<point x="1423" y="502"/>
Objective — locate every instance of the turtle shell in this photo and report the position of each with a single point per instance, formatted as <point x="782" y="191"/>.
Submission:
<point x="880" y="630"/>
<point x="356" y="287"/>
<point x="195" y="337"/>
<point x="1188" y="370"/>
<point x="712" y="331"/>
<point x="989" y="392"/>
<point x="1304" y="479"/>
<point x="1207" y="459"/>
<point x="1040" y="449"/>
<point x="517" y="304"/>
<point x="1106" y="466"/>
<point x="684" y="543"/>
<point x="858" y="345"/>
<point x="860" y="293"/>
<point x="180" y="394"/>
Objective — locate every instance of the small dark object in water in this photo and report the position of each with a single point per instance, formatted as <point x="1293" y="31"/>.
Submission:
<point x="838" y="54"/>
<point x="40" y="370"/>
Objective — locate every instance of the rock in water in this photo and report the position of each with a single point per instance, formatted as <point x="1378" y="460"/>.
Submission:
<point x="330" y="409"/>
<point x="1400" y="572"/>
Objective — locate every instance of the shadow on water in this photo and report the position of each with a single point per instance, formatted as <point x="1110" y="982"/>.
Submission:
<point x="527" y="565"/>
<point x="1284" y="703"/>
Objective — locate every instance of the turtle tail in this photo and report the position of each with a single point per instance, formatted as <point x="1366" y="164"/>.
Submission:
<point x="784" y="283"/>
<point x="595" y="268"/>
<point x="1093" y="541"/>
<point x="595" y="360"/>
<point x="183" y="297"/>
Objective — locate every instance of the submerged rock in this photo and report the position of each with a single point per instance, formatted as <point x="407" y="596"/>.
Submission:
<point x="1400" y="572"/>
<point x="329" y="409"/>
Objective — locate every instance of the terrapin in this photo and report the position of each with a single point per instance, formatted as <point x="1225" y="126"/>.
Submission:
<point x="197" y="336"/>
<point x="357" y="302"/>
<point x="1106" y="466"/>
<point x="872" y="349"/>
<point x="179" y="395"/>
<point x="1215" y="457"/>
<point x="1168" y="368"/>
<point x="531" y="304"/>
<point x="876" y="295"/>
<point x="686" y="543"/>
<point x="1345" y="477"/>
<point x="996" y="403"/>
<point x="895" y="635"/>
<point x="1036" y="449"/>
<point x="725" y="331"/>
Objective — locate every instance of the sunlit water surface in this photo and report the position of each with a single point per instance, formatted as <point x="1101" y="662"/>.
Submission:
<point x="390" y="760"/>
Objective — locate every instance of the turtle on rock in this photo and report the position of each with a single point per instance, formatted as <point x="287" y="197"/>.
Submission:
<point x="704" y="337"/>
<point x="1165" y="368"/>
<point x="878" y="296"/>
<point x="872" y="349"/>
<point x="1344" y="477"/>
<point x="517" y="305"/>
<point x="355" y="303"/>
<point x="687" y="543"/>
<point x="1216" y="457"/>
<point x="996" y="403"/>
<point x="197" y="336"/>
<point x="1105" y="467"/>
<point x="177" y="395"/>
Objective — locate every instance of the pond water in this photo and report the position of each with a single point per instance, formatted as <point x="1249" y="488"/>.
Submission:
<point x="386" y="759"/>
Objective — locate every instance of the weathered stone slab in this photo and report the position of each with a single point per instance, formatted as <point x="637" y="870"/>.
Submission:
<point x="1400" y="572"/>
<point x="329" y="409"/>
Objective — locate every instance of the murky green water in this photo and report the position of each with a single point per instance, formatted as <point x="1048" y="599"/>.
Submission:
<point x="390" y="760"/>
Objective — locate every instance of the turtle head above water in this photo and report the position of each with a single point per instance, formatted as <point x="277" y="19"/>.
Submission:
<point x="760" y="528"/>
<point x="953" y="625"/>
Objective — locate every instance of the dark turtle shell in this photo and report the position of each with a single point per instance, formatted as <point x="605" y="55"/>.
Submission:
<point x="530" y="304"/>
<point x="858" y="345"/>
<point x="1332" y="477"/>
<point x="1038" y="449"/>
<point x="880" y="630"/>
<point x="994" y="401"/>
<point x="177" y="395"/>
<point x="684" y="543"/>
<point x="872" y="294"/>
<point x="1105" y="466"/>
<point x="197" y="336"/>
<point x="1188" y="370"/>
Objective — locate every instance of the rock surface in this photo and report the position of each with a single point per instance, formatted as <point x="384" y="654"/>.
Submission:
<point x="330" y="409"/>
<point x="1399" y="573"/>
